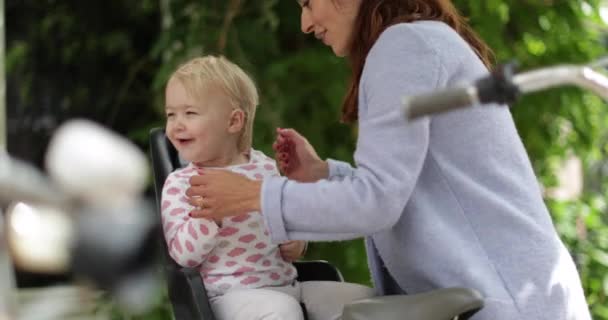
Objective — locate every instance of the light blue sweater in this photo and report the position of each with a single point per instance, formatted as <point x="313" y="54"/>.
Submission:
<point x="445" y="201"/>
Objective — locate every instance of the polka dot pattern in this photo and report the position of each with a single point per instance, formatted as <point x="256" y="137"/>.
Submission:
<point x="240" y="254"/>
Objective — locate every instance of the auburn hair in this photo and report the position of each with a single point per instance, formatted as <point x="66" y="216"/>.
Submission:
<point x="376" y="15"/>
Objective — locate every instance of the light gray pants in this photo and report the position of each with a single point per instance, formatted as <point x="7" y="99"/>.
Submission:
<point x="324" y="300"/>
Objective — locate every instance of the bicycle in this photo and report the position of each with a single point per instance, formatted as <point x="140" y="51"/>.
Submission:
<point x="77" y="209"/>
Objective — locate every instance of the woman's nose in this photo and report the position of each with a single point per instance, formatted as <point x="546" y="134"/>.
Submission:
<point x="306" y="22"/>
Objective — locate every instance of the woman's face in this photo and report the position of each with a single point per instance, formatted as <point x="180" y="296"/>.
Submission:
<point x="331" y="21"/>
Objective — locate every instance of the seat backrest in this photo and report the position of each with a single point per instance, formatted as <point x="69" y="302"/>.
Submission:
<point x="185" y="287"/>
<point x="164" y="161"/>
<point x="195" y="305"/>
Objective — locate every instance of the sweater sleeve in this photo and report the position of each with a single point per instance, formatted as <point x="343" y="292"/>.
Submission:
<point x="339" y="169"/>
<point x="389" y="156"/>
<point x="189" y="240"/>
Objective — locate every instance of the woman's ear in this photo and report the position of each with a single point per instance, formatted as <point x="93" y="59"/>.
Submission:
<point x="237" y="121"/>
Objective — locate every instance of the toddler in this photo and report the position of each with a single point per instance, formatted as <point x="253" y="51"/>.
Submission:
<point x="210" y="107"/>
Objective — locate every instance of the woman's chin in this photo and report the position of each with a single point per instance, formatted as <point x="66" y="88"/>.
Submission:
<point x="340" y="53"/>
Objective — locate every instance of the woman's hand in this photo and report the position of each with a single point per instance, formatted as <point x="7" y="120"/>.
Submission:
<point x="222" y="193"/>
<point x="195" y="201"/>
<point x="292" y="250"/>
<point x="297" y="159"/>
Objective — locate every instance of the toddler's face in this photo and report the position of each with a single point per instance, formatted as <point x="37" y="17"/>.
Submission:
<point x="198" y="128"/>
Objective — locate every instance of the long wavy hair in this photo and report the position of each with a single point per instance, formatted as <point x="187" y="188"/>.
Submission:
<point x="377" y="15"/>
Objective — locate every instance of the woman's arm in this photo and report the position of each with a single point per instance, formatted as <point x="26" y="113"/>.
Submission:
<point x="389" y="156"/>
<point x="189" y="240"/>
<point x="339" y="169"/>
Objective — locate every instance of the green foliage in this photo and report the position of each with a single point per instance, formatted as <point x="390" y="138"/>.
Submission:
<point x="114" y="71"/>
<point x="582" y="225"/>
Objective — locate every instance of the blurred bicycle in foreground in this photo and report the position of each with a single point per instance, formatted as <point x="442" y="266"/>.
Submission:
<point x="86" y="216"/>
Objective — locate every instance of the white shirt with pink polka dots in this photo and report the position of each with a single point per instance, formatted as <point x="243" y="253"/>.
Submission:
<point x="239" y="254"/>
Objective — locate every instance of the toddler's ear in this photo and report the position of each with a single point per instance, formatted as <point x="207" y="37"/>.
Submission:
<point x="237" y="121"/>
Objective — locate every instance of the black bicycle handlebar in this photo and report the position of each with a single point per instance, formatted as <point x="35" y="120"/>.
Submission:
<point x="503" y="86"/>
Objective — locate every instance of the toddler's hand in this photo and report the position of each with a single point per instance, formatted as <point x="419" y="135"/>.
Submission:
<point x="296" y="158"/>
<point x="292" y="250"/>
<point x="284" y="152"/>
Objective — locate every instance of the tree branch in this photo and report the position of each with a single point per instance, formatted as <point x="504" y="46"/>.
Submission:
<point x="234" y="7"/>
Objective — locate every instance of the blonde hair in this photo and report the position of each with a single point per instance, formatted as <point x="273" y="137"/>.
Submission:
<point x="196" y="74"/>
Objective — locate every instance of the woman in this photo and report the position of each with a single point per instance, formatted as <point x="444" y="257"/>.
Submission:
<point x="444" y="201"/>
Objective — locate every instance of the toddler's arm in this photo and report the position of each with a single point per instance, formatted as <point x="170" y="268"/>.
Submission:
<point x="189" y="239"/>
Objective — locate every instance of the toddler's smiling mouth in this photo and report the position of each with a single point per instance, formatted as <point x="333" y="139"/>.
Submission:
<point x="185" y="141"/>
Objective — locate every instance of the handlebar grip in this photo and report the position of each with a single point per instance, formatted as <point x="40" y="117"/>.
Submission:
<point x="442" y="101"/>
